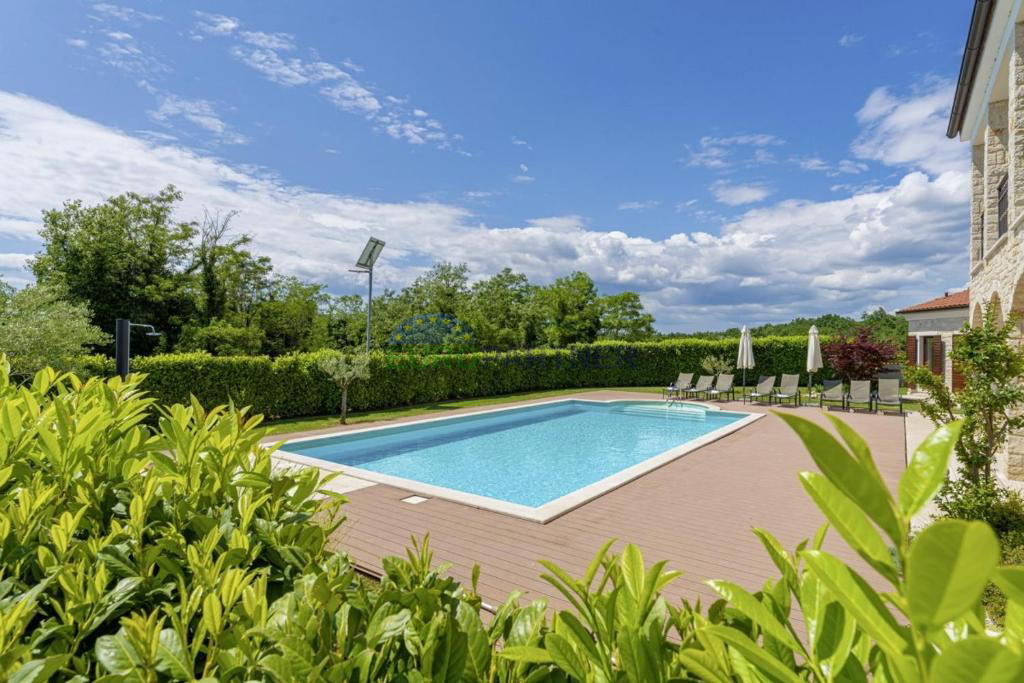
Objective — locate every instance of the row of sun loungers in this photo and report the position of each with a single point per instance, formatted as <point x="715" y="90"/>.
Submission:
<point x="788" y="391"/>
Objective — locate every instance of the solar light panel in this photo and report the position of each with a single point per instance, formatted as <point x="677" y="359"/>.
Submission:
<point x="370" y="253"/>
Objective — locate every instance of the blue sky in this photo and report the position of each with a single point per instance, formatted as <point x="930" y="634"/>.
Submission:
<point x="734" y="162"/>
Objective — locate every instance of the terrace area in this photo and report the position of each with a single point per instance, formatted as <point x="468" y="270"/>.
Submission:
<point x="697" y="512"/>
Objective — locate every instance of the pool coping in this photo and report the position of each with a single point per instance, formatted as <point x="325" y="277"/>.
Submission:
<point x="543" y="513"/>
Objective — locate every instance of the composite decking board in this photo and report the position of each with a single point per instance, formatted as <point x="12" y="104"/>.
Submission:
<point x="697" y="512"/>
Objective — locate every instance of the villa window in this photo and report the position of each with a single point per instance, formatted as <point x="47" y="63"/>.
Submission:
<point x="1003" y="208"/>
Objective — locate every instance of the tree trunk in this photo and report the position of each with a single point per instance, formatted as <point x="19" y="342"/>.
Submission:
<point x="344" y="403"/>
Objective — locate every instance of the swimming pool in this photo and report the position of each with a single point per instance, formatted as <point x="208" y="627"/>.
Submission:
<point x="535" y="461"/>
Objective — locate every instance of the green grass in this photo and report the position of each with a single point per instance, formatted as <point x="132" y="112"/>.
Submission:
<point x="301" y="424"/>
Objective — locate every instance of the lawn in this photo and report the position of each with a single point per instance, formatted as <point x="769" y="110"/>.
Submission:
<point x="300" y="424"/>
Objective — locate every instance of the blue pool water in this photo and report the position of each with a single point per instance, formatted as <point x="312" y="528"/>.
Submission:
<point x="528" y="456"/>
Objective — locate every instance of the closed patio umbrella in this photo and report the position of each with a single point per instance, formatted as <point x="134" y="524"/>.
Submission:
<point x="745" y="359"/>
<point x="813" y="356"/>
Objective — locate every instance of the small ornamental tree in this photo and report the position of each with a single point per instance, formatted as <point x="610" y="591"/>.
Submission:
<point x="343" y="370"/>
<point x="991" y="402"/>
<point x="859" y="356"/>
<point x="715" y="365"/>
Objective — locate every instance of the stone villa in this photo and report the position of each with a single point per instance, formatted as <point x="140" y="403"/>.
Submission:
<point x="988" y="112"/>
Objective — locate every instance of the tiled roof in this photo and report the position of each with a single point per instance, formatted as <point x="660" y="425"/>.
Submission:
<point x="954" y="300"/>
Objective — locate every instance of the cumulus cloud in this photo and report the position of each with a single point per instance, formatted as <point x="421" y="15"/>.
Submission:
<point x="850" y="39"/>
<point x="891" y="246"/>
<point x="910" y="130"/>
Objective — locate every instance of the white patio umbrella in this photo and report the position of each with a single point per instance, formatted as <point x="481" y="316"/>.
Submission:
<point x="813" y="355"/>
<point x="745" y="359"/>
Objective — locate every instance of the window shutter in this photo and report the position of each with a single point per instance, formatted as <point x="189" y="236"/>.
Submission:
<point x="958" y="377"/>
<point x="938" y="361"/>
<point x="911" y="350"/>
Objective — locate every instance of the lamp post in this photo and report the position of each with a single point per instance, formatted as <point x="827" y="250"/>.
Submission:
<point x="365" y="265"/>
<point x="122" y="343"/>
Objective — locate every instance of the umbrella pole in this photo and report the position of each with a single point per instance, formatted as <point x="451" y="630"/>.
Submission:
<point x="744" y="384"/>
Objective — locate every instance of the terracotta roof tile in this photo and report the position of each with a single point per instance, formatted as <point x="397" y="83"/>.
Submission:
<point x="954" y="300"/>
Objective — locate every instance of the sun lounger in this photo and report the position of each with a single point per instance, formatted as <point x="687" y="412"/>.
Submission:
<point x="832" y="392"/>
<point x="860" y="393"/>
<point x="888" y="394"/>
<point x="789" y="389"/>
<point x="683" y="382"/>
<point x="723" y="387"/>
<point x="765" y="389"/>
<point x="702" y="385"/>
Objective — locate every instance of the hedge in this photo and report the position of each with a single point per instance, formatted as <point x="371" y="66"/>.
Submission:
<point x="293" y="386"/>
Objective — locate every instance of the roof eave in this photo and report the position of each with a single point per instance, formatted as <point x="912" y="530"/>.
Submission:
<point x="980" y="19"/>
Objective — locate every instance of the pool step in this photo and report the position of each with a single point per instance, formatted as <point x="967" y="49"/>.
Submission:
<point x="668" y="411"/>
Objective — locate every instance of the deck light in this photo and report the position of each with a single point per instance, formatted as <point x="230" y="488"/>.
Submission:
<point x="365" y="265"/>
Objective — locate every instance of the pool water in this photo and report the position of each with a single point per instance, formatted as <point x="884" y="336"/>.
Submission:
<point x="528" y="456"/>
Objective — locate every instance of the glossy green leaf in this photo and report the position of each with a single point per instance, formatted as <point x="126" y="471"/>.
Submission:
<point x="858" y="599"/>
<point x="978" y="659"/>
<point x="1011" y="581"/>
<point x="848" y="475"/>
<point x="752" y="651"/>
<point x="949" y="564"/>
<point x="38" y="670"/>
<point x="927" y="469"/>
<point x="527" y="654"/>
<point x="851" y="523"/>
<point x="753" y="609"/>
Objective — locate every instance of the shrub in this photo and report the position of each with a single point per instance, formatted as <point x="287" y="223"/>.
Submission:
<point x="293" y="385"/>
<point x="986" y="500"/>
<point x="860" y="356"/>
<point x="175" y="552"/>
<point x="714" y="365"/>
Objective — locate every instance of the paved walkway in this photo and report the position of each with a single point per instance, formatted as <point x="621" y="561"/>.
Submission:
<point x="696" y="512"/>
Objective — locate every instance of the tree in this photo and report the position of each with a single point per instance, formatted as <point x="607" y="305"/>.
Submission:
<point x="290" y="317"/>
<point x="992" y="398"/>
<point x="498" y="312"/>
<point x="124" y="258"/>
<point x="344" y="370"/>
<point x="221" y="338"/>
<point x="860" y="356"/>
<point x="569" y="310"/>
<point x="40" y="328"/>
<point x="231" y="279"/>
<point x="623" y="317"/>
<point x="442" y="289"/>
<point x="885" y="327"/>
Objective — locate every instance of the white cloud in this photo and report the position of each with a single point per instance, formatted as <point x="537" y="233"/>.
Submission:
<point x="850" y="39"/>
<point x="910" y="131"/>
<point x="891" y="246"/>
<point x="735" y="195"/>
<point x="199" y="112"/>
<point x="388" y="113"/>
<point x="77" y="42"/>
<point x="715" y="152"/>
<point x="124" y="13"/>
<point x="216" y="24"/>
<point x="638" y="206"/>
<point x="817" y="164"/>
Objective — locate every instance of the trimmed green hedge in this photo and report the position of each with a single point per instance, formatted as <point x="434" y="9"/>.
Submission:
<point x="292" y="386"/>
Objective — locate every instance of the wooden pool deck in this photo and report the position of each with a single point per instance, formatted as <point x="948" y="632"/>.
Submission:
<point x="696" y="512"/>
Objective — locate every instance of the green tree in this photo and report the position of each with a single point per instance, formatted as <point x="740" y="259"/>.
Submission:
<point x="221" y="338"/>
<point x="346" y="321"/>
<point x="569" y="310"/>
<point x="290" y="317"/>
<point x="885" y="327"/>
<point x="623" y="317"/>
<point x="991" y="402"/>
<point x="498" y="311"/>
<point x="123" y="258"/>
<point x="231" y="280"/>
<point x="40" y="328"/>
<point x="344" y="370"/>
<point x="442" y="289"/>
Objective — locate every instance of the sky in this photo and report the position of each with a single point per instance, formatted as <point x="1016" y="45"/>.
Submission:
<point x="734" y="163"/>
